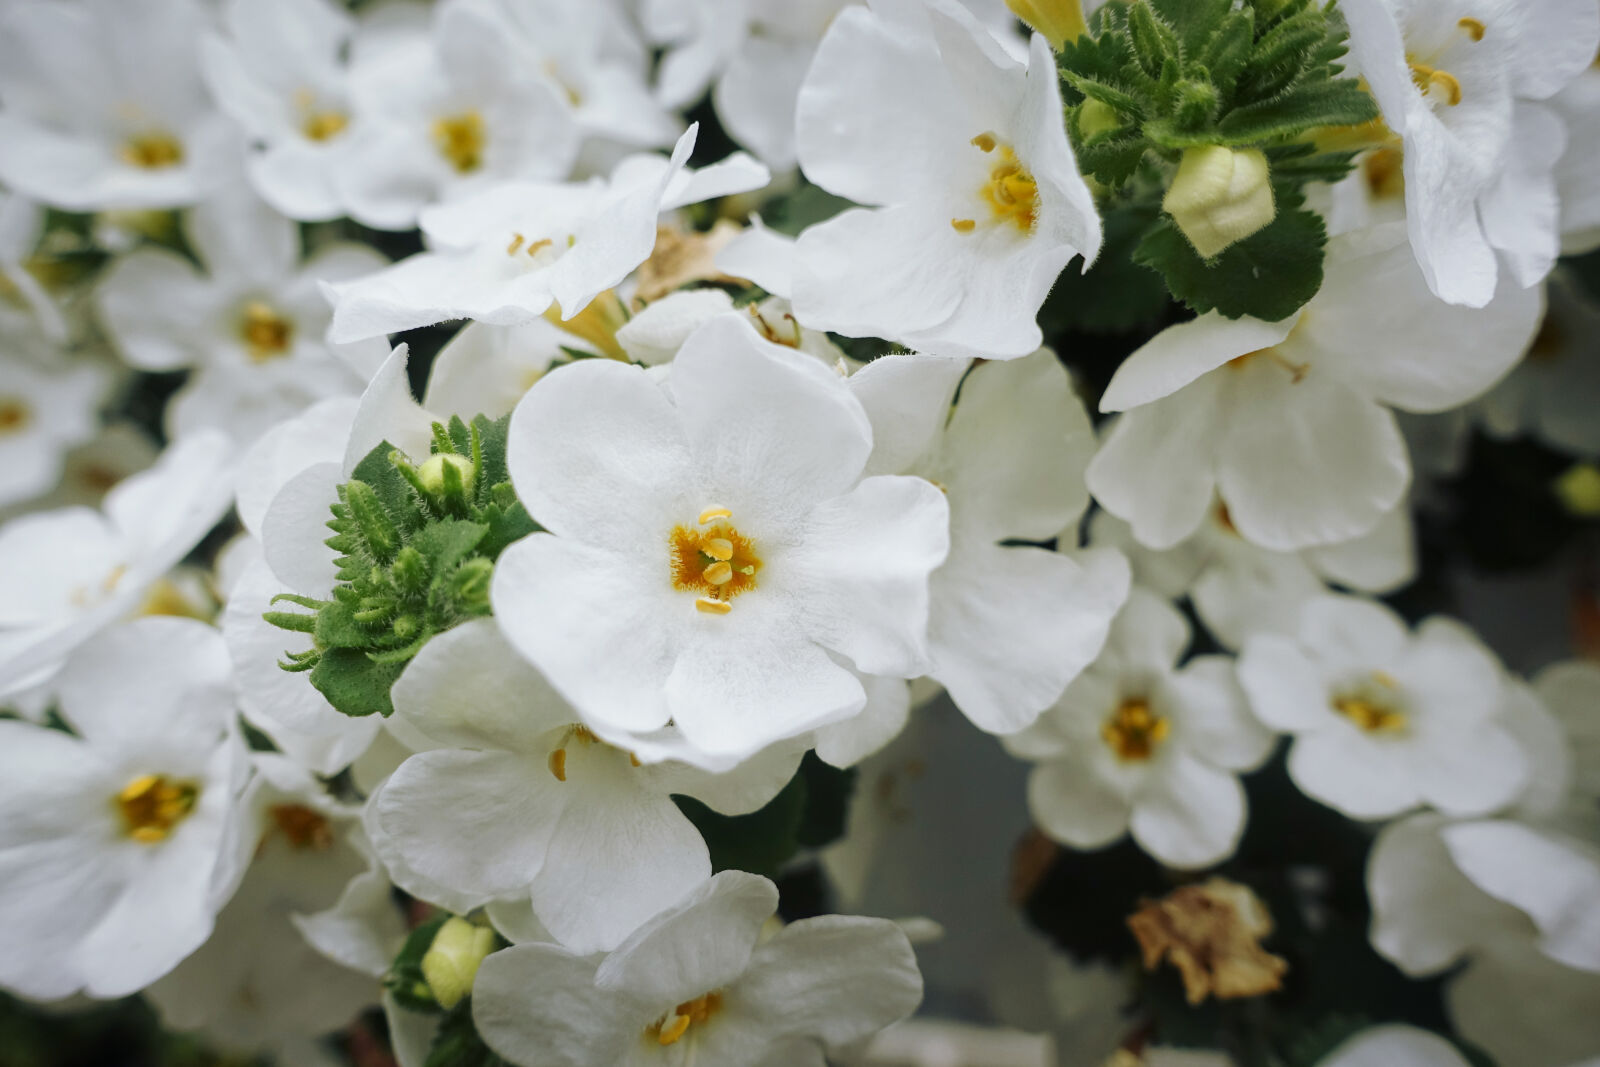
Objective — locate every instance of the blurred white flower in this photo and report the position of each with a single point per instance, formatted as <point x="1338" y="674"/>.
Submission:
<point x="1136" y="743"/>
<point x="1385" y="720"/>
<point x="1553" y="394"/>
<point x="250" y="322"/>
<point x="104" y="106"/>
<point x="695" y="984"/>
<point x="114" y="839"/>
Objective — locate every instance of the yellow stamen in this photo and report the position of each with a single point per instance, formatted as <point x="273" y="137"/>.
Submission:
<point x="1133" y="731"/>
<point x="1474" y="27"/>
<point x="710" y="514"/>
<point x="718" y="548"/>
<point x="324" y="125"/>
<point x="152" y="805"/>
<point x="1385" y="679"/>
<point x="634" y="760"/>
<point x="963" y="225"/>
<point x="1011" y="192"/>
<point x="1428" y="78"/>
<point x="535" y="247"/>
<point x="516" y="243"/>
<point x="719" y="573"/>
<point x="985" y="141"/>
<point x="155" y="150"/>
<point x="461" y="140"/>
<point x="267" y="334"/>
<point x="676" y="1029"/>
<point x="712" y="607"/>
<point x="558" y="764"/>
<point x="306" y="828"/>
<point x="1370" y="715"/>
<point x="715" y="560"/>
<point x="15" y="414"/>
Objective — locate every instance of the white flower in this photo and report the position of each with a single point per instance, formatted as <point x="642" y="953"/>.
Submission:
<point x="1576" y="182"/>
<point x="1554" y="392"/>
<point x="1009" y="625"/>
<point x="1289" y="421"/>
<point x="44" y="411"/>
<point x="1238" y="588"/>
<point x="447" y="113"/>
<point x="975" y="201"/>
<point x="486" y="369"/>
<point x="279" y="73"/>
<point x="504" y="255"/>
<point x="1137" y="743"/>
<point x="1385" y="720"/>
<point x="257" y="982"/>
<point x="24" y="303"/>
<point x="251" y="324"/>
<point x="72" y="571"/>
<point x="1459" y="82"/>
<point x="90" y="470"/>
<point x="104" y="107"/>
<point x="712" y="545"/>
<point x="1526" y="1010"/>
<point x="112" y="839"/>
<point x="590" y="55"/>
<point x="515" y="797"/>
<point x="1394" y="1045"/>
<point x="694" y="986"/>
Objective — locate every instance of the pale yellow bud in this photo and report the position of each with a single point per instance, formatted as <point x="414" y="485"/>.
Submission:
<point x="1220" y="197"/>
<point x="1579" y="490"/>
<point x="1096" y="116"/>
<point x="451" y="962"/>
<point x="432" y="472"/>
<point x="1059" y="20"/>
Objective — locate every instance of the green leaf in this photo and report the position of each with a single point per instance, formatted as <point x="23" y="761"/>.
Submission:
<point x="1155" y="44"/>
<point x="1193" y="21"/>
<point x="1228" y="51"/>
<point x="1305" y="107"/>
<point x="1115" y="160"/>
<point x="446" y="542"/>
<point x="492" y="434"/>
<point x="336" y="627"/>
<point x="458" y="1043"/>
<point x="1124" y="102"/>
<point x="404" y="978"/>
<point x="397" y="497"/>
<point x="354" y="684"/>
<point x="1269" y="275"/>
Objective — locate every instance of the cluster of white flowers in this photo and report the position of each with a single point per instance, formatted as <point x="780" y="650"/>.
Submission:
<point x="697" y="512"/>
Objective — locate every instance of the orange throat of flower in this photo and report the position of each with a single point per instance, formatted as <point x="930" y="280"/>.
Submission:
<point x="713" y="559"/>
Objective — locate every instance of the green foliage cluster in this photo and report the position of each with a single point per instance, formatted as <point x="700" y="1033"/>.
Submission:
<point x="1155" y="77"/>
<point x="416" y="548"/>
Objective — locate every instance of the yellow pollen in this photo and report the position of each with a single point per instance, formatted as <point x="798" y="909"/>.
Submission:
<point x="1474" y="27"/>
<point x="266" y="334"/>
<point x="712" y="514"/>
<point x="15" y="414"/>
<point x="1370" y="715"/>
<point x="1133" y="731"/>
<point x="985" y="141"/>
<point x="558" y="758"/>
<point x="719" y="573"/>
<point x="1011" y="192"/>
<point x="155" y="150"/>
<point x="707" y="606"/>
<point x="151" y="805"/>
<point x="964" y="225"/>
<point x="719" y="548"/>
<point x="714" y="560"/>
<point x="460" y="139"/>
<point x="516" y="243"/>
<point x="324" y="125"/>
<point x="669" y="1029"/>
<point x="535" y="247"/>
<point x="306" y="828"/>
<point x="558" y="764"/>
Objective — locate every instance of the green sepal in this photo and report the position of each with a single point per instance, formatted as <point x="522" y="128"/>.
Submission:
<point x="1337" y="103"/>
<point x="353" y="683"/>
<point x="457" y="1042"/>
<point x="404" y="979"/>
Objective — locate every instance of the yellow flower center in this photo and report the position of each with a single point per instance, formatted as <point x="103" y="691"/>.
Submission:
<point x="1134" y="732"/>
<point x="152" y="805"/>
<point x="669" y="1029"/>
<point x="1371" y="706"/>
<point x="267" y="335"/>
<point x="1011" y="194"/>
<point x="306" y="828"/>
<point x="713" y="559"/>
<point x="324" y="125"/>
<point x="153" y="150"/>
<point x="460" y="139"/>
<point x="15" y="415"/>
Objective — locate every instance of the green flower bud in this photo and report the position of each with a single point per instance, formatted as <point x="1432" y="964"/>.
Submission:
<point x="451" y="962"/>
<point x="1220" y="197"/>
<point x="431" y="473"/>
